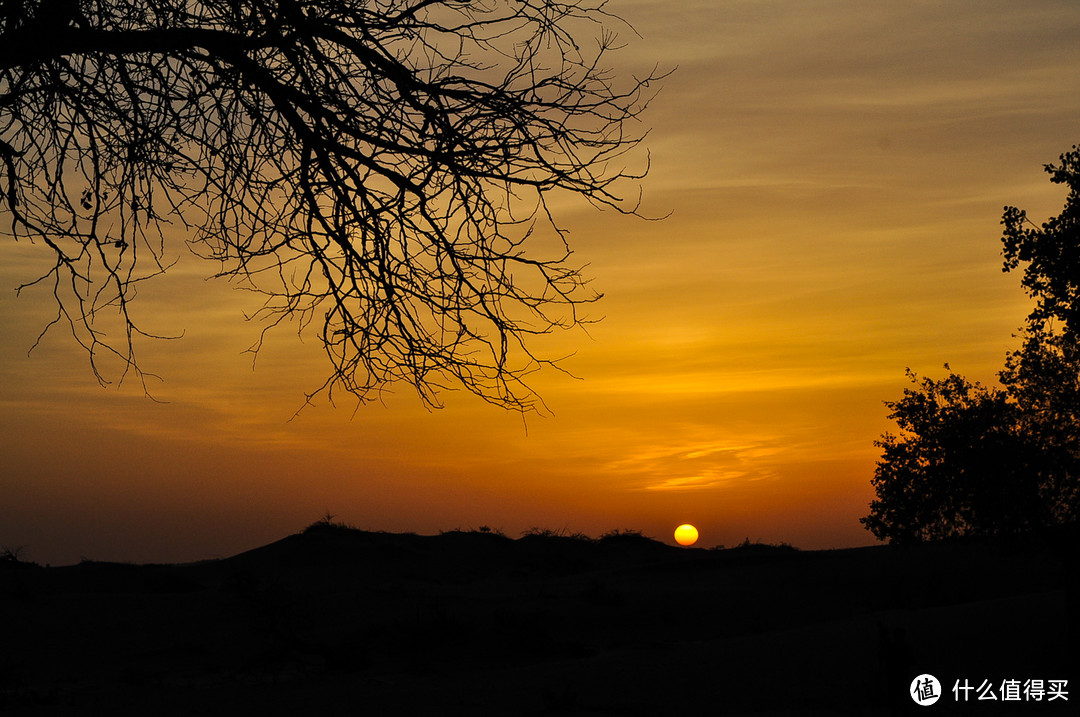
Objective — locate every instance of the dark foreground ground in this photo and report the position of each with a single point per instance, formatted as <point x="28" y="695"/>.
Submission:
<point x="339" y="621"/>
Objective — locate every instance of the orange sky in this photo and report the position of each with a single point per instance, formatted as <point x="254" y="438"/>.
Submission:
<point x="835" y="172"/>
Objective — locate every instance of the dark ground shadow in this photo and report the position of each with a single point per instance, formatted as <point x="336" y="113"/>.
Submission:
<point x="478" y="624"/>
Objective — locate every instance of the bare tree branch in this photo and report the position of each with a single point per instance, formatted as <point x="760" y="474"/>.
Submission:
<point x="379" y="170"/>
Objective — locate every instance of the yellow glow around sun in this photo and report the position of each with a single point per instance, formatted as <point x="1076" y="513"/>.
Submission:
<point x="686" y="534"/>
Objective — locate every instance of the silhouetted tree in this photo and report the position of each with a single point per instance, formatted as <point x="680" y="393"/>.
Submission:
<point x="381" y="170"/>
<point x="960" y="465"/>
<point x="1052" y="257"/>
<point x="976" y="460"/>
<point x="1043" y="376"/>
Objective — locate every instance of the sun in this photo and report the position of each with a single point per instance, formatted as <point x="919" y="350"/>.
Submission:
<point x="686" y="534"/>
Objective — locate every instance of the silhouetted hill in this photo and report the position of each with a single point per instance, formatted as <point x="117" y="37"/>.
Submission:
<point x="475" y="623"/>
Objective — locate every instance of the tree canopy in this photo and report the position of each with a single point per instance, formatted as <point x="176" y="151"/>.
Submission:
<point x="976" y="460"/>
<point x="961" y="464"/>
<point x="1051" y="255"/>
<point x="379" y="170"/>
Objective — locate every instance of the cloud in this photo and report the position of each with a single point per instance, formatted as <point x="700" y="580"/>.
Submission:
<point x="695" y="465"/>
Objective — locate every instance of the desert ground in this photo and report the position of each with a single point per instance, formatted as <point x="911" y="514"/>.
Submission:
<point x="336" y="620"/>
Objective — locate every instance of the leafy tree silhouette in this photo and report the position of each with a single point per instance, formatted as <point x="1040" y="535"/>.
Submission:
<point x="381" y="171"/>
<point x="976" y="460"/>
<point x="960" y="465"/>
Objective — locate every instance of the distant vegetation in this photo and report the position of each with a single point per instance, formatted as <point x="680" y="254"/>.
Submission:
<point x="11" y="558"/>
<point x="625" y="536"/>
<point x="535" y="532"/>
<point x="758" y="546"/>
<point x="327" y="522"/>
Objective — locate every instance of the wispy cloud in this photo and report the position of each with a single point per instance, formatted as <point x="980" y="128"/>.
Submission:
<point x="695" y="465"/>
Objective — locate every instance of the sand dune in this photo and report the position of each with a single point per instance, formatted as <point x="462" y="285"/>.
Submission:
<point x="470" y="623"/>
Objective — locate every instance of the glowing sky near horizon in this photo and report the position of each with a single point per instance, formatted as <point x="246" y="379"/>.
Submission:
<point x="835" y="173"/>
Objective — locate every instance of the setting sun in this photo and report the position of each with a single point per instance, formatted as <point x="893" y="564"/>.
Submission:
<point x="686" y="534"/>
